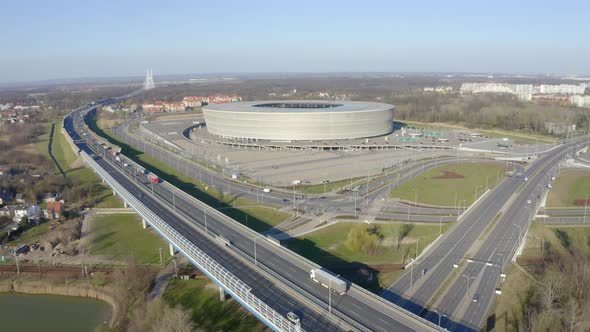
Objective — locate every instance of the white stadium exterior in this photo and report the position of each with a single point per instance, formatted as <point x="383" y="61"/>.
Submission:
<point x="299" y="120"/>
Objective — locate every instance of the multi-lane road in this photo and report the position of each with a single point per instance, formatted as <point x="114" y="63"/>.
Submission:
<point x="456" y="278"/>
<point x="280" y="278"/>
<point x="481" y="235"/>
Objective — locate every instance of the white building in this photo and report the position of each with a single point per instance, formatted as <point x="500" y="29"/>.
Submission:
<point x="31" y="211"/>
<point x="580" y="101"/>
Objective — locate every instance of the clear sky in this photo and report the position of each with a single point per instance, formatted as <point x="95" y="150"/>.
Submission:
<point x="69" y="39"/>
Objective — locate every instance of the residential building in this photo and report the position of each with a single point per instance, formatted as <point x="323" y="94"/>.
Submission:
<point x="580" y="101"/>
<point x="155" y="107"/>
<point x="174" y="107"/>
<point x="54" y="210"/>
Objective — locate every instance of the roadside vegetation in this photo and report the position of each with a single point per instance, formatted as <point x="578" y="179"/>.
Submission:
<point x="257" y="216"/>
<point x="369" y="254"/>
<point x="200" y="299"/>
<point x="552" y="292"/>
<point x="121" y="237"/>
<point x="452" y="184"/>
<point x="571" y="188"/>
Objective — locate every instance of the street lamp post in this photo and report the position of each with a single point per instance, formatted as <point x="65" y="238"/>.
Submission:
<point x="468" y="283"/>
<point x="175" y="268"/>
<point x="439" y="316"/>
<point x="255" y="256"/>
<point x="206" y="231"/>
<point x="330" y="293"/>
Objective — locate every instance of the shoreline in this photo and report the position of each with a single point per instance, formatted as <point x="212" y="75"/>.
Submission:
<point x="70" y="288"/>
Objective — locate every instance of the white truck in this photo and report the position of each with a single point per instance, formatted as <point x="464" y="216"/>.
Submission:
<point x="328" y="280"/>
<point x="266" y="190"/>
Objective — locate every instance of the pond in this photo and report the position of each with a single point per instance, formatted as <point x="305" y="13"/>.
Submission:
<point x="22" y="312"/>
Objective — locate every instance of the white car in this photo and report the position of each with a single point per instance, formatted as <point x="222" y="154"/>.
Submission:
<point x="528" y="201"/>
<point x="266" y="190"/>
<point x="293" y="318"/>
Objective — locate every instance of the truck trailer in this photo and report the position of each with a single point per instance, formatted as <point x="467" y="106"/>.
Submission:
<point x="153" y="178"/>
<point x="328" y="280"/>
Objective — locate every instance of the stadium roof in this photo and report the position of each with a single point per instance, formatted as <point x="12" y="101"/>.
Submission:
<point x="298" y="106"/>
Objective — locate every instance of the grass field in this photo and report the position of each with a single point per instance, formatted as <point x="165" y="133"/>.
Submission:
<point x="201" y="298"/>
<point x="560" y="239"/>
<point x="569" y="186"/>
<point x="121" y="236"/>
<point x="328" y="248"/>
<point x="440" y="186"/>
<point x="257" y="218"/>
<point x="31" y="235"/>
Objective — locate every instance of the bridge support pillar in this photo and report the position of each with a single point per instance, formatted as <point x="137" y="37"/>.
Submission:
<point x="114" y="193"/>
<point x="144" y="223"/>
<point x="221" y="294"/>
<point x="172" y="251"/>
<point x="125" y="204"/>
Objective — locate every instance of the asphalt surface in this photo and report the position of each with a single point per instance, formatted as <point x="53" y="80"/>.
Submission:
<point x="342" y="204"/>
<point x="497" y="249"/>
<point x="416" y="288"/>
<point x="357" y="305"/>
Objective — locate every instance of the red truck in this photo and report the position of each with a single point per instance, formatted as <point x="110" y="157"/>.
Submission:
<point x="153" y="178"/>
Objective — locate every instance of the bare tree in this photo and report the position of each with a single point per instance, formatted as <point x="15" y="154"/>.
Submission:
<point x="550" y="288"/>
<point x="572" y="315"/>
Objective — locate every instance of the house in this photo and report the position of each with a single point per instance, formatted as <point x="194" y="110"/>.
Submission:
<point x="54" y="209"/>
<point x="4" y="169"/>
<point x="6" y="196"/>
<point x="31" y="211"/>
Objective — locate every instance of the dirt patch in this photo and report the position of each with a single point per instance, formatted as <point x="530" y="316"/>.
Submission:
<point x="582" y="202"/>
<point x="449" y="175"/>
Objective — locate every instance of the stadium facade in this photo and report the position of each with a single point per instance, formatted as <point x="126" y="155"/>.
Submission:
<point x="299" y="120"/>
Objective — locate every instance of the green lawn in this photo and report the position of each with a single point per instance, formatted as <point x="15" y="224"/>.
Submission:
<point x="61" y="148"/>
<point x="327" y="246"/>
<point x="201" y="298"/>
<point x="461" y="181"/>
<point x="569" y="186"/>
<point x="259" y="219"/>
<point x="559" y="239"/>
<point x="31" y="235"/>
<point x="121" y="236"/>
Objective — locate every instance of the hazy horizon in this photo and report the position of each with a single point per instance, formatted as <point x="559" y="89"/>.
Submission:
<point x="60" y="40"/>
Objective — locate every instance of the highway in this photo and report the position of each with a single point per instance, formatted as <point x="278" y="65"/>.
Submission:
<point x="479" y="234"/>
<point x="279" y="272"/>
<point x="497" y="249"/>
<point x="343" y="204"/>
<point x="417" y="287"/>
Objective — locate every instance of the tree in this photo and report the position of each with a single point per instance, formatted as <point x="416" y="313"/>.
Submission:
<point x="24" y="222"/>
<point x="363" y="239"/>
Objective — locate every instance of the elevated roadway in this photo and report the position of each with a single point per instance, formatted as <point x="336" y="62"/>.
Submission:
<point x="276" y="275"/>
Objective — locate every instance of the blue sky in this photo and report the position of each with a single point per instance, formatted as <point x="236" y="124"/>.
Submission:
<point x="69" y="39"/>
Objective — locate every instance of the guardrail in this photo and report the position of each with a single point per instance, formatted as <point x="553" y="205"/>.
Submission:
<point x="221" y="276"/>
<point x="366" y="295"/>
<point x="238" y="289"/>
